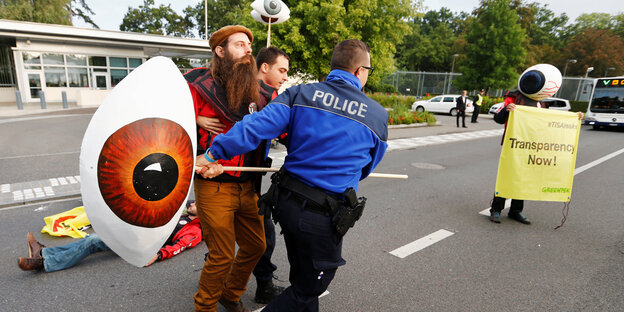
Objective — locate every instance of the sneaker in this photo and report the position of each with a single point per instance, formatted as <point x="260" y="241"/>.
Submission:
<point x="518" y="216"/>
<point x="495" y="216"/>
<point x="30" y="264"/>
<point x="267" y="291"/>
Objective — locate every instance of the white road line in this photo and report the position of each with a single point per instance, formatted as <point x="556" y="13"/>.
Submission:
<point x="578" y="170"/>
<point x="38" y="155"/>
<point x="62" y="181"/>
<point x="322" y="295"/>
<point x="597" y="161"/>
<point x="77" y="178"/>
<point x="6" y="188"/>
<point x="71" y="180"/>
<point x="54" y="182"/>
<point x="421" y="243"/>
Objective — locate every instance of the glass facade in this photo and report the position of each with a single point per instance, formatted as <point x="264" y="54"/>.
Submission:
<point x="77" y="71"/>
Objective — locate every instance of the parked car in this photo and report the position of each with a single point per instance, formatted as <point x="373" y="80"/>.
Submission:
<point x="551" y="103"/>
<point x="442" y="104"/>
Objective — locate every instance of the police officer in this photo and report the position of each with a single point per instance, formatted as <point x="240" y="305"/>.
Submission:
<point x="337" y="136"/>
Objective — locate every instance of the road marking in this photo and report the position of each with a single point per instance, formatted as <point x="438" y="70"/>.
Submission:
<point x="18" y="195"/>
<point x="39" y="192"/>
<point x="72" y="180"/>
<point x="597" y="161"/>
<point x="62" y="181"/>
<point x="39" y="155"/>
<point x="322" y="295"/>
<point x="54" y="182"/>
<point x="421" y="243"/>
<point x="48" y="191"/>
<point x="6" y="188"/>
<point x="28" y="194"/>
<point x="578" y="170"/>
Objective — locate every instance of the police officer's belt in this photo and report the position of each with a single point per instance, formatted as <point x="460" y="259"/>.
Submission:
<point x="315" y="198"/>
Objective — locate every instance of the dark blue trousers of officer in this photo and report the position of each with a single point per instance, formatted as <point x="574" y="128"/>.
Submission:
<point x="314" y="253"/>
<point x="264" y="268"/>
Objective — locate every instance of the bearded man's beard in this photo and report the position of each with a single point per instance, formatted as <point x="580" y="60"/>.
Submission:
<point x="239" y="79"/>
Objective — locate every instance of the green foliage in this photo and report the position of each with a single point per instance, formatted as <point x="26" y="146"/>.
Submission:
<point x="403" y="116"/>
<point x="162" y="20"/>
<point x="45" y="11"/>
<point x="495" y="53"/>
<point x="220" y="13"/>
<point x="392" y="100"/>
<point x="489" y="101"/>
<point x="598" y="48"/>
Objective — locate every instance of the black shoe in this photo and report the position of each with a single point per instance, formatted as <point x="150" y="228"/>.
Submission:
<point x="267" y="291"/>
<point x="464" y="127"/>
<point x="495" y="216"/>
<point x="518" y="216"/>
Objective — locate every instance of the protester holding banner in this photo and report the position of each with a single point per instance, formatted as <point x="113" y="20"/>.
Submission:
<point x="535" y="84"/>
<point x="187" y="234"/>
<point x="336" y="137"/>
<point x="227" y="204"/>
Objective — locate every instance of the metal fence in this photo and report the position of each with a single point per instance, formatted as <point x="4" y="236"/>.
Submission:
<point x="419" y="84"/>
<point x="7" y="72"/>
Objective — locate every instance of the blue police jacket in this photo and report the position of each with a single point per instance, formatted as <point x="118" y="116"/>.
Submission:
<point x="336" y="134"/>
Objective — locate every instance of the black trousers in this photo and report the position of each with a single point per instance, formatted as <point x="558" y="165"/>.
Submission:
<point x="475" y="114"/>
<point x="264" y="268"/>
<point x="498" y="204"/>
<point x="461" y="113"/>
<point x="314" y="253"/>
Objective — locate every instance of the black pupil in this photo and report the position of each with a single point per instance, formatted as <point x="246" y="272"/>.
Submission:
<point x="155" y="176"/>
<point x="532" y="82"/>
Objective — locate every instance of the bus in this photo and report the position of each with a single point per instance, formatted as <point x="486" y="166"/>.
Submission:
<point x="606" y="104"/>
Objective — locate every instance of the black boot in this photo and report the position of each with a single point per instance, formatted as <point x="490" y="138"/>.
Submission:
<point x="267" y="291"/>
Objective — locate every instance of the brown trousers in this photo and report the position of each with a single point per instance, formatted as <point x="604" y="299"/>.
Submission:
<point x="228" y="213"/>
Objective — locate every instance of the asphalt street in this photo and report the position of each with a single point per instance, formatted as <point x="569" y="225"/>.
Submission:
<point x="477" y="266"/>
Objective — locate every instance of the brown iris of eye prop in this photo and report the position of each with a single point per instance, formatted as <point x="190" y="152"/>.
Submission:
<point x="144" y="171"/>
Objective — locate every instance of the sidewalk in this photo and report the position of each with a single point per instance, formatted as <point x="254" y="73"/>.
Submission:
<point x="69" y="187"/>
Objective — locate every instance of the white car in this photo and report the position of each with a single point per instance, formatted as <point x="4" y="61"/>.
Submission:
<point x="551" y="103"/>
<point x="442" y="104"/>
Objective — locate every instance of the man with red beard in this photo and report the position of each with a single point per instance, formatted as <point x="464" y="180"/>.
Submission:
<point x="227" y="204"/>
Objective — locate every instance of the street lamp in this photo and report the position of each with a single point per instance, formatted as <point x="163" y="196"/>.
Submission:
<point x="608" y="69"/>
<point x="588" y="70"/>
<point x="448" y="88"/>
<point x="566" y="66"/>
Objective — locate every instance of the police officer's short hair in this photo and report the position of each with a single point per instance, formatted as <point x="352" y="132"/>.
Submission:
<point x="269" y="55"/>
<point x="349" y="55"/>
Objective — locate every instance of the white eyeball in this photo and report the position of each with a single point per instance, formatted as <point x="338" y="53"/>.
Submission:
<point x="274" y="11"/>
<point x="540" y="81"/>
<point x="137" y="159"/>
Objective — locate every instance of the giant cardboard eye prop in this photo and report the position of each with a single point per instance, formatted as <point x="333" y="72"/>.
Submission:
<point x="540" y="81"/>
<point x="273" y="11"/>
<point x="137" y="160"/>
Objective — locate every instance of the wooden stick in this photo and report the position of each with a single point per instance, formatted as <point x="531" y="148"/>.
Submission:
<point x="265" y="169"/>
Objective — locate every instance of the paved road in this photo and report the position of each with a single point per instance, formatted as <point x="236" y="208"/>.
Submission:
<point x="471" y="265"/>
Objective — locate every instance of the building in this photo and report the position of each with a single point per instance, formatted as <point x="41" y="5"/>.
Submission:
<point x="85" y="63"/>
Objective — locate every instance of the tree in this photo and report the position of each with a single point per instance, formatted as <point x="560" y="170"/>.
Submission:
<point x="316" y="26"/>
<point x="432" y="42"/>
<point x="162" y="20"/>
<point x="46" y="11"/>
<point x="494" y="53"/>
<point x="600" y="49"/>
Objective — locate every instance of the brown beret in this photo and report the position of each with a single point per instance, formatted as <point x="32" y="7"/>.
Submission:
<point x="220" y="36"/>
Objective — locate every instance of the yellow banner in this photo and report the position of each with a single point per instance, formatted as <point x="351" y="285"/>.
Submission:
<point x="538" y="155"/>
<point x="67" y="223"/>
